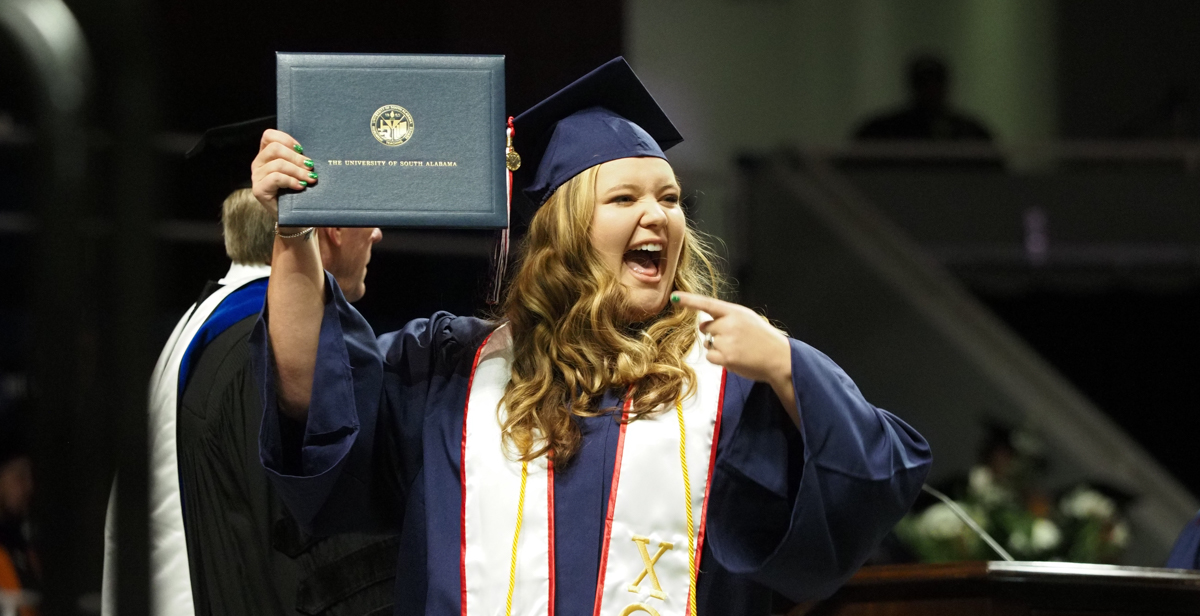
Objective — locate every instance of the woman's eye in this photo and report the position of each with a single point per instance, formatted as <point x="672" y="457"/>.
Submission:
<point x="671" y="199"/>
<point x="623" y="199"/>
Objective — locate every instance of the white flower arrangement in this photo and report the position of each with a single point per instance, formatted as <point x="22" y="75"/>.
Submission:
<point x="1084" y="502"/>
<point x="1085" y="526"/>
<point x="940" y="522"/>
<point x="1044" y="535"/>
<point x="982" y="485"/>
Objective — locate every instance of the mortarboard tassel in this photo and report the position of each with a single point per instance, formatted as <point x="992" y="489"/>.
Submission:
<point x="512" y="161"/>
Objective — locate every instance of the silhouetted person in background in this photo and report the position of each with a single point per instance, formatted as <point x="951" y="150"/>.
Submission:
<point x="928" y="116"/>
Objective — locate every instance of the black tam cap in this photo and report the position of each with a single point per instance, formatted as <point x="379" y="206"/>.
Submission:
<point x="604" y="115"/>
<point x="224" y="153"/>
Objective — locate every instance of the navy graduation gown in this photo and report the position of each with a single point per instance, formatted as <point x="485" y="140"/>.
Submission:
<point x="794" y="510"/>
<point x="1185" y="554"/>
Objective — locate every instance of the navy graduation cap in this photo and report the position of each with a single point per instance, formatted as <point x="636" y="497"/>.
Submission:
<point x="604" y="115"/>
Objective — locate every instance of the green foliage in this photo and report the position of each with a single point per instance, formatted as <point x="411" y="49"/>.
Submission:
<point x="1082" y="526"/>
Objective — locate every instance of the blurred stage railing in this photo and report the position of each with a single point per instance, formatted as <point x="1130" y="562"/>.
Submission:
<point x="1086" y="227"/>
<point x="1123" y="211"/>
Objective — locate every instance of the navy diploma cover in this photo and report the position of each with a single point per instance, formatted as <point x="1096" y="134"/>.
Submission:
<point x="397" y="140"/>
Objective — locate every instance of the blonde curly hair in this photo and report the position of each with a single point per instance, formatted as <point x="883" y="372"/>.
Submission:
<point x="571" y="338"/>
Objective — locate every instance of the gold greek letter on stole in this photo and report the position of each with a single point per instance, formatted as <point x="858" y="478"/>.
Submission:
<point x="648" y="569"/>
<point x="639" y="607"/>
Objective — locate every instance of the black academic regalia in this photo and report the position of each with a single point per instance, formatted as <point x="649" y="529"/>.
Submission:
<point x="246" y="553"/>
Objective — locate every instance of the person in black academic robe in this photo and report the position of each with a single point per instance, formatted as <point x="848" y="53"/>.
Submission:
<point x="236" y="549"/>
<point x="247" y="554"/>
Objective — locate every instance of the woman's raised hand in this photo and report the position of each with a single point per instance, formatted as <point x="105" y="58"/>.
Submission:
<point x="280" y="164"/>
<point x="296" y="295"/>
<point x="745" y="344"/>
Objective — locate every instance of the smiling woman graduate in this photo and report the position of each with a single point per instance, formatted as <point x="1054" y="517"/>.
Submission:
<point x="616" y="441"/>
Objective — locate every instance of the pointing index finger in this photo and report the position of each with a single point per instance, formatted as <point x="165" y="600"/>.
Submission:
<point x="711" y="305"/>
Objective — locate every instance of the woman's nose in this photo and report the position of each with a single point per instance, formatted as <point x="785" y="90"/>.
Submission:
<point x="653" y="214"/>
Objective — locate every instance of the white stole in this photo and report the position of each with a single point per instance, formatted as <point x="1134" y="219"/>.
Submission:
<point x="646" y="529"/>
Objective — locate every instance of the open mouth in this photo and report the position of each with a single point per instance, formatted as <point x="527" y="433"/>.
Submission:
<point x="645" y="261"/>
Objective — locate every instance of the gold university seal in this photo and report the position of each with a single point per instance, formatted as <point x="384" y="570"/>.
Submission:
<point x="392" y="125"/>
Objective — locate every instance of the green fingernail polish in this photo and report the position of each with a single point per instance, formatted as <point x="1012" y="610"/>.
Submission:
<point x="312" y="174"/>
<point x="299" y="149"/>
<point x="308" y="163"/>
<point x="675" y="297"/>
<point x="303" y="183"/>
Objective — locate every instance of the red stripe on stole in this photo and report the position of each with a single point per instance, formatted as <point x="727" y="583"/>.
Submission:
<point x="462" y="479"/>
<point x="612" y="503"/>
<point x="550" y="520"/>
<point x="712" y="464"/>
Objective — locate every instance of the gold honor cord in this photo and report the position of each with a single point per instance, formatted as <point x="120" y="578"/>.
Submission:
<point x="512" y="567"/>
<point x="691" y="527"/>
<point x="687" y="497"/>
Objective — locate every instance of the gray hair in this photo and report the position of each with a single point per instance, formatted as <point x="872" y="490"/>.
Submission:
<point x="248" y="229"/>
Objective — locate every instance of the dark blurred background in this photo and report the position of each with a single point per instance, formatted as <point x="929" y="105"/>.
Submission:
<point x="1032" y="166"/>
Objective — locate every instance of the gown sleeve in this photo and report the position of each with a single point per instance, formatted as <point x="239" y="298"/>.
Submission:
<point x="349" y="468"/>
<point x="1185" y="554"/>
<point x="800" y="510"/>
